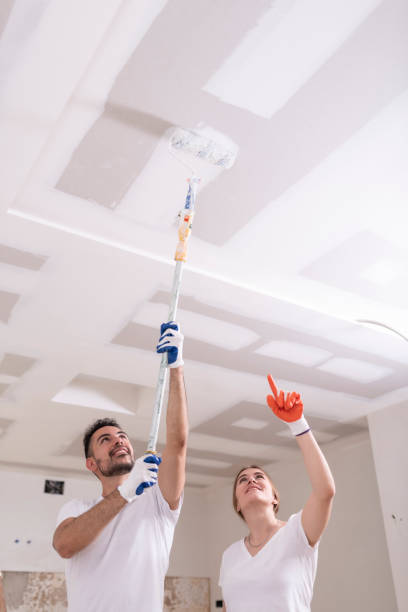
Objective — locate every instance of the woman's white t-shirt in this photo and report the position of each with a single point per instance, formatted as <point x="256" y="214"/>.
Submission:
<point x="124" y="567"/>
<point x="279" y="578"/>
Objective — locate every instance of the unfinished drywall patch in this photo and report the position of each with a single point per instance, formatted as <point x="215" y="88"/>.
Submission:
<point x="15" y="365"/>
<point x="7" y="302"/>
<point x="21" y="259"/>
<point x="281" y="47"/>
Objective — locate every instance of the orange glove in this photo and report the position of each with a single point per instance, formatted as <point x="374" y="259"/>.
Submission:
<point x="289" y="409"/>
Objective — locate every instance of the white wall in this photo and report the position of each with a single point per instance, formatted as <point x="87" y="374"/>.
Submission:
<point x="29" y="514"/>
<point x="388" y="431"/>
<point x="354" y="571"/>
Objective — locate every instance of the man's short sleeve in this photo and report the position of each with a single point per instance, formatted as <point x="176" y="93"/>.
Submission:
<point x="73" y="508"/>
<point x="164" y="508"/>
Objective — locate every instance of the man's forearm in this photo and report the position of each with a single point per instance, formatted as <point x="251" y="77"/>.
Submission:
<point x="176" y="418"/>
<point x="75" y="535"/>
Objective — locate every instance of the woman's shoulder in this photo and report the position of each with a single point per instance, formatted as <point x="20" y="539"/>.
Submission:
<point x="233" y="548"/>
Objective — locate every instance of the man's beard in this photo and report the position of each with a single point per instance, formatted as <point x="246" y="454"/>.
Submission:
<point x="117" y="469"/>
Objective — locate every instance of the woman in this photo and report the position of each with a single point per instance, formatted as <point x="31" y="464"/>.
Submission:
<point x="273" y="568"/>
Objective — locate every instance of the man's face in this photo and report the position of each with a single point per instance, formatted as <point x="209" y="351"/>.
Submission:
<point x="111" y="453"/>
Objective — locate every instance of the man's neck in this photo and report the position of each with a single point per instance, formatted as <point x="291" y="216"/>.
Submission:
<point x="110" y="483"/>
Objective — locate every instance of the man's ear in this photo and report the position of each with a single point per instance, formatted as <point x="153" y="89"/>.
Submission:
<point x="91" y="464"/>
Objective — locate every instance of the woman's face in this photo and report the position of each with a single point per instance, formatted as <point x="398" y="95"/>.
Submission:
<point x="253" y="486"/>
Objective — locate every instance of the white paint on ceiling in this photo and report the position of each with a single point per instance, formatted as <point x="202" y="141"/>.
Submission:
<point x="360" y="186"/>
<point x="355" y="369"/>
<point x="294" y="352"/>
<point x="264" y="72"/>
<point x="198" y="326"/>
<point x="174" y="167"/>
<point x="385" y="271"/>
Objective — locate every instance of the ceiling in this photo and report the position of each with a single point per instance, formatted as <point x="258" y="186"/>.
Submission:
<point x="301" y="238"/>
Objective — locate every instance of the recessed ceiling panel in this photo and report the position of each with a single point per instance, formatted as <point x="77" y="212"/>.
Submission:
<point x="247" y="423"/>
<point x="351" y="265"/>
<point x="3" y="388"/>
<point x="274" y="433"/>
<point x="5" y="10"/>
<point x="219" y="463"/>
<point x="247" y="359"/>
<point x="4" y="425"/>
<point x="199" y="326"/>
<point x="294" y="352"/>
<point x="15" y="365"/>
<point x="7" y="302"/>
<point x="102" y="394"/>
<point x="355" y="369"/>
<point x="373" y="340"/>
<point x="21" y="259"/>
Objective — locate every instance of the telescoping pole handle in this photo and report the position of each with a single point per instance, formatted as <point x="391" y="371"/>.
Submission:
<point x="184" y="231"/>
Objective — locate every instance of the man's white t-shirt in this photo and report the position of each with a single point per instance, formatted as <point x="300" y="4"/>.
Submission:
<point x="278" y="578"/>
<point x="124" y="567"/>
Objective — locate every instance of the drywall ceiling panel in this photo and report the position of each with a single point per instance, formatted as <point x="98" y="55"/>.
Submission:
<point x="15" y="365"/>
<point x="366" y="265"/>
<point x="223" y="426"/>
<point x="5" y="10"/>
<point x="7" y="302"/>
<point x="246" y="359"/>
<point x="21" y="259"/>
<point x="102" y="394"/>
<point x="319" y="117"/>
<point x="265" y="51"/>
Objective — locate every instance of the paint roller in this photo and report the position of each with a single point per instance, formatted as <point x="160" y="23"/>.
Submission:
<point x="185" y="145"/>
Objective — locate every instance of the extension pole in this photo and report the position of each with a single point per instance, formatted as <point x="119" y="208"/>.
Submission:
<point x="185" y="224"/>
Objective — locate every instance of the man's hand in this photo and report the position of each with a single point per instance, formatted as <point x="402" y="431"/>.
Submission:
<point x="171" y="342"/>
<point x="142" y="476"/>
<point x="289" y="409"/>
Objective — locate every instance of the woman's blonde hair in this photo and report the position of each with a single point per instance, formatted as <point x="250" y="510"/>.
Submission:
<point x="274" y="490"/>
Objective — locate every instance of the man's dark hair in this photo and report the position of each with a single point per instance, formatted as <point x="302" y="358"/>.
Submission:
<point x="94" y="427"/>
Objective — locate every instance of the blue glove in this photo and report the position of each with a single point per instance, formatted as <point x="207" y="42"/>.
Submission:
<point x="171" y="342"/>
<point x="142" y="476"/>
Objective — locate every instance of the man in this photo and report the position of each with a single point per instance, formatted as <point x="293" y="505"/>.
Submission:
<point x="118" y="546"/>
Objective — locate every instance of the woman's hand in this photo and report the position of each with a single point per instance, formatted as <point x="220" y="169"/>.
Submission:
<point x="287" y="409"/>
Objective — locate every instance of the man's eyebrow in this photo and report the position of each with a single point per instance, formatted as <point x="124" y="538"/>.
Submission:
<point x="104" y="435"/>
<point x="108" y="435"/>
